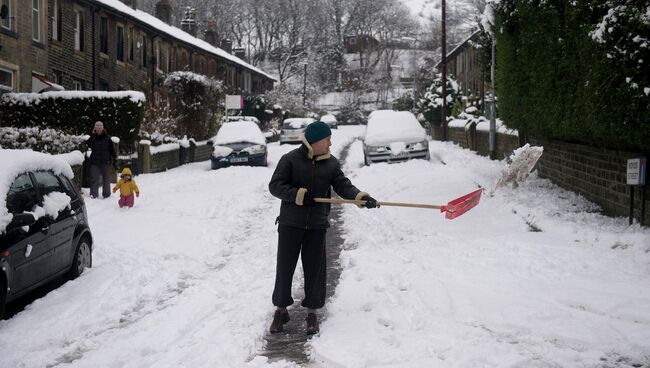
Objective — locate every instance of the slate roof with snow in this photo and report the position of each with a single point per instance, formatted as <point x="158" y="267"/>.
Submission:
<point x="179" y="34"/>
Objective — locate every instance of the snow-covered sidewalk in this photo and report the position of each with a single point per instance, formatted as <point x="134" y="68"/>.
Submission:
<point x="486" y="289"/>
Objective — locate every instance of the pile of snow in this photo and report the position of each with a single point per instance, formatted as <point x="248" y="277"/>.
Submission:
<point x="482" y="123"/>
<point x="297" y="123"/>
<point x="74" y="158"/>
<point x="329" y="118"/>
<point x="522" y="161"/>
<point x="27" y="99"/>
<point x="164" y="148"/>
<point x="387" y="126"/>
<point x="16" y="162"/>
<point x="239" y="131"/>
<point x="53" y="204"/>
<point x="221" y="151"/>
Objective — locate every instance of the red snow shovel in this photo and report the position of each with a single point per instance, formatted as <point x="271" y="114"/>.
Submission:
<point x="453" y="209"/>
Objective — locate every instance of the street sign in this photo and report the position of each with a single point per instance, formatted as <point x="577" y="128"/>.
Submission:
<point x="235" y="102"/>
<point x="636" y="169"/>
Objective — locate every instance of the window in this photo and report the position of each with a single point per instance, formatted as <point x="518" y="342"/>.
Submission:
<point x="120" y="43"/>
<point x="103" y="85"/>
<point x="131" y="44"/>
<point x="22" y="195"/>
<point x="143" y="54"/>
<point x="103" y="35"/>
<point x="47" y="183"/>
<point x="36" y="20"/>
<point x="78" y="30"/>
<point x="77" y="86"/>
<point x="6" y="80"/>
<point x="6" y="23"/>
<point x="56" y="20"/>
<point x="69" y="187"/>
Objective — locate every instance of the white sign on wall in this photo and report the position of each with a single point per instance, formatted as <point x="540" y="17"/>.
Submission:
<point x="636" y="169"/>
<point x="235" y="102"/>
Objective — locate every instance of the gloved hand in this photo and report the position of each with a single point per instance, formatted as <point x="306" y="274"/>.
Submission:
<point x="308" y="200"/>
<point x="370" y="202"/>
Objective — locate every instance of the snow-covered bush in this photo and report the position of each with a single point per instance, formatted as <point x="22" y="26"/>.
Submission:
<point x="37" y="139"/>
<point x="431" y="103"/>
<point x="194" y="102"/>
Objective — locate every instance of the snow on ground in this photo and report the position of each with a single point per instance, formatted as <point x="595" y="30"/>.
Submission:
<point x="184" y="279"/>
<point x="484" y="290"/>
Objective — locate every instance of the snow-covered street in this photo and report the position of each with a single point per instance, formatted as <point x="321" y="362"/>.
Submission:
<point x="531" y="277"/>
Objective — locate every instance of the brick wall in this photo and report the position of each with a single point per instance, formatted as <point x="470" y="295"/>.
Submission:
<point x="596" y="173"/>
<point x="479" y="141"/>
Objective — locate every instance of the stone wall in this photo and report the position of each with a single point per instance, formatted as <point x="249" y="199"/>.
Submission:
<point x="597" y="174"/>
<point x="479" y="141"/>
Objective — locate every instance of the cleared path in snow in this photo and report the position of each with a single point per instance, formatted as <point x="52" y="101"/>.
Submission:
<point x="289" y="345"/>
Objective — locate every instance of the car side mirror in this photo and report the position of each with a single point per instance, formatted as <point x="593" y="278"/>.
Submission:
<point x="20" y="220"/>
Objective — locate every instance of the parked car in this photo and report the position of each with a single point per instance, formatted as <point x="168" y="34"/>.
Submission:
<point x="293" y="128"/>
<point x="330" y="120"/>
<point x="228" y="119"/>
<point x="393" y="136"/>
<point x="239" y="143"/>
<point x="44" y="230"/>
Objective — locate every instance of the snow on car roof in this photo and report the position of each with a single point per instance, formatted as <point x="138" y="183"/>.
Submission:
<point x="387" y="126"/>
<point x="239" y="131"/>
<point x="16" y="162"/>
<point x="329" y="118"/>
<point x="298" y="123"/>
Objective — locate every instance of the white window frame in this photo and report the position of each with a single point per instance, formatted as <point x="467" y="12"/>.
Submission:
<point x="37" y="15"/>
<point x="56" y="19"/>
<point x="131" y="44"/>
<point x="77" y="86"/>
<point x="4" y="87"/>
<point x="78" y="24"/>
<point x="9" y="18"/>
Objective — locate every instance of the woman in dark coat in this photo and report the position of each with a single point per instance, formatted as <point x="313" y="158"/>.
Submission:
<point x="101" y="158"/>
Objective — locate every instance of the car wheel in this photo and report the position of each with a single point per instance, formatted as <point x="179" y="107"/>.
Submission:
<point x="82" y="259"/>
<point x="3" y="296"/>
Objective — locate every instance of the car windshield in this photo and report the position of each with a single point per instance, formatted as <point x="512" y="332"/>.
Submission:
<point x="387" y="126"/>
<point x="296" y="123"/>
<point x="239" y="131"/>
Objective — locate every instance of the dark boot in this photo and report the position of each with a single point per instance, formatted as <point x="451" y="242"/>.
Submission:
<point x="279" y="319"/>
<point x="312" y="323"/>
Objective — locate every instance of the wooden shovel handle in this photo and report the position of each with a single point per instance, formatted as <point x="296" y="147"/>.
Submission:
<point x="361" y="203"/>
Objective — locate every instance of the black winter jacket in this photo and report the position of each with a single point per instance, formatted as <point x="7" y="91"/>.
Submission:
<point x="103" y="152"/>
<point x="298" y="172"/>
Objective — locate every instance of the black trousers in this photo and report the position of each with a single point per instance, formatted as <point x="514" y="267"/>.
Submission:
<point x="105" y="171"/>
<point x="310" y="244"/>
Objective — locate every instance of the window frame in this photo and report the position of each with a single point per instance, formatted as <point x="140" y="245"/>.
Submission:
<point x="143" y="53"/>
<point x="131" y="42"/>
<point x="77" y="85"/>
<point x="103" y="35"/>
<point x="42" y="190"/>
<point x="9" y="19"/>
<point x="56" y="21"/>
<point x="119" y="42"/>
<point x="79" y="27"/>
<point x="37" y="17"/>
<point x="4" y="87"/>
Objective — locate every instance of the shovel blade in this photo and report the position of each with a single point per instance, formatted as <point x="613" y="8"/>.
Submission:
<point x="460" y="205"/>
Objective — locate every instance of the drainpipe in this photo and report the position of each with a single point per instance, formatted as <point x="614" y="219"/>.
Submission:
<point x="94" y="51"/>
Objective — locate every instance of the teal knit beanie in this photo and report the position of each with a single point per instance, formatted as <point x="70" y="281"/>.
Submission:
<point x="317" y="131"/>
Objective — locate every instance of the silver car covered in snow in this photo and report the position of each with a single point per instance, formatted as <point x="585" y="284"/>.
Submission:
<point x="293" y="128"/>
<point x="393" y="136"/>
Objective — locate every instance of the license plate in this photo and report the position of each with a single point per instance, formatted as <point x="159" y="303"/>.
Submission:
<point x="239" y="159"/>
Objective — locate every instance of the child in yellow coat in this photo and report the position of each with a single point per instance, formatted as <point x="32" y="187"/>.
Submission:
<point x="127" y="187"/>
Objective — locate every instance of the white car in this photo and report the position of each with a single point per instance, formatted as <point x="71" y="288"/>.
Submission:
<point x="393" y="136"/>
<point x="239" y="143"/>
<point x="330" y="120"/>
<point x="293" y="129"/>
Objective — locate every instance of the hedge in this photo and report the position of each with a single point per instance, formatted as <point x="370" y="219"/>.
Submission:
<point x="563" y="72"/>
<point x="75" y="112"/>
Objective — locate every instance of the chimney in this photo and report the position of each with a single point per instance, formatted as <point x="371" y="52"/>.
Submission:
<point x="188" y="24"/>
<point x="239" y="52"/>
<point x="211" y="36"/>
<point x="163" y="11"/>
<point x="226" y="45"/>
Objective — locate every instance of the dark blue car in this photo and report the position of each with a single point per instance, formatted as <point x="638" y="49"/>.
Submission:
<point x="239" y="143"/>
